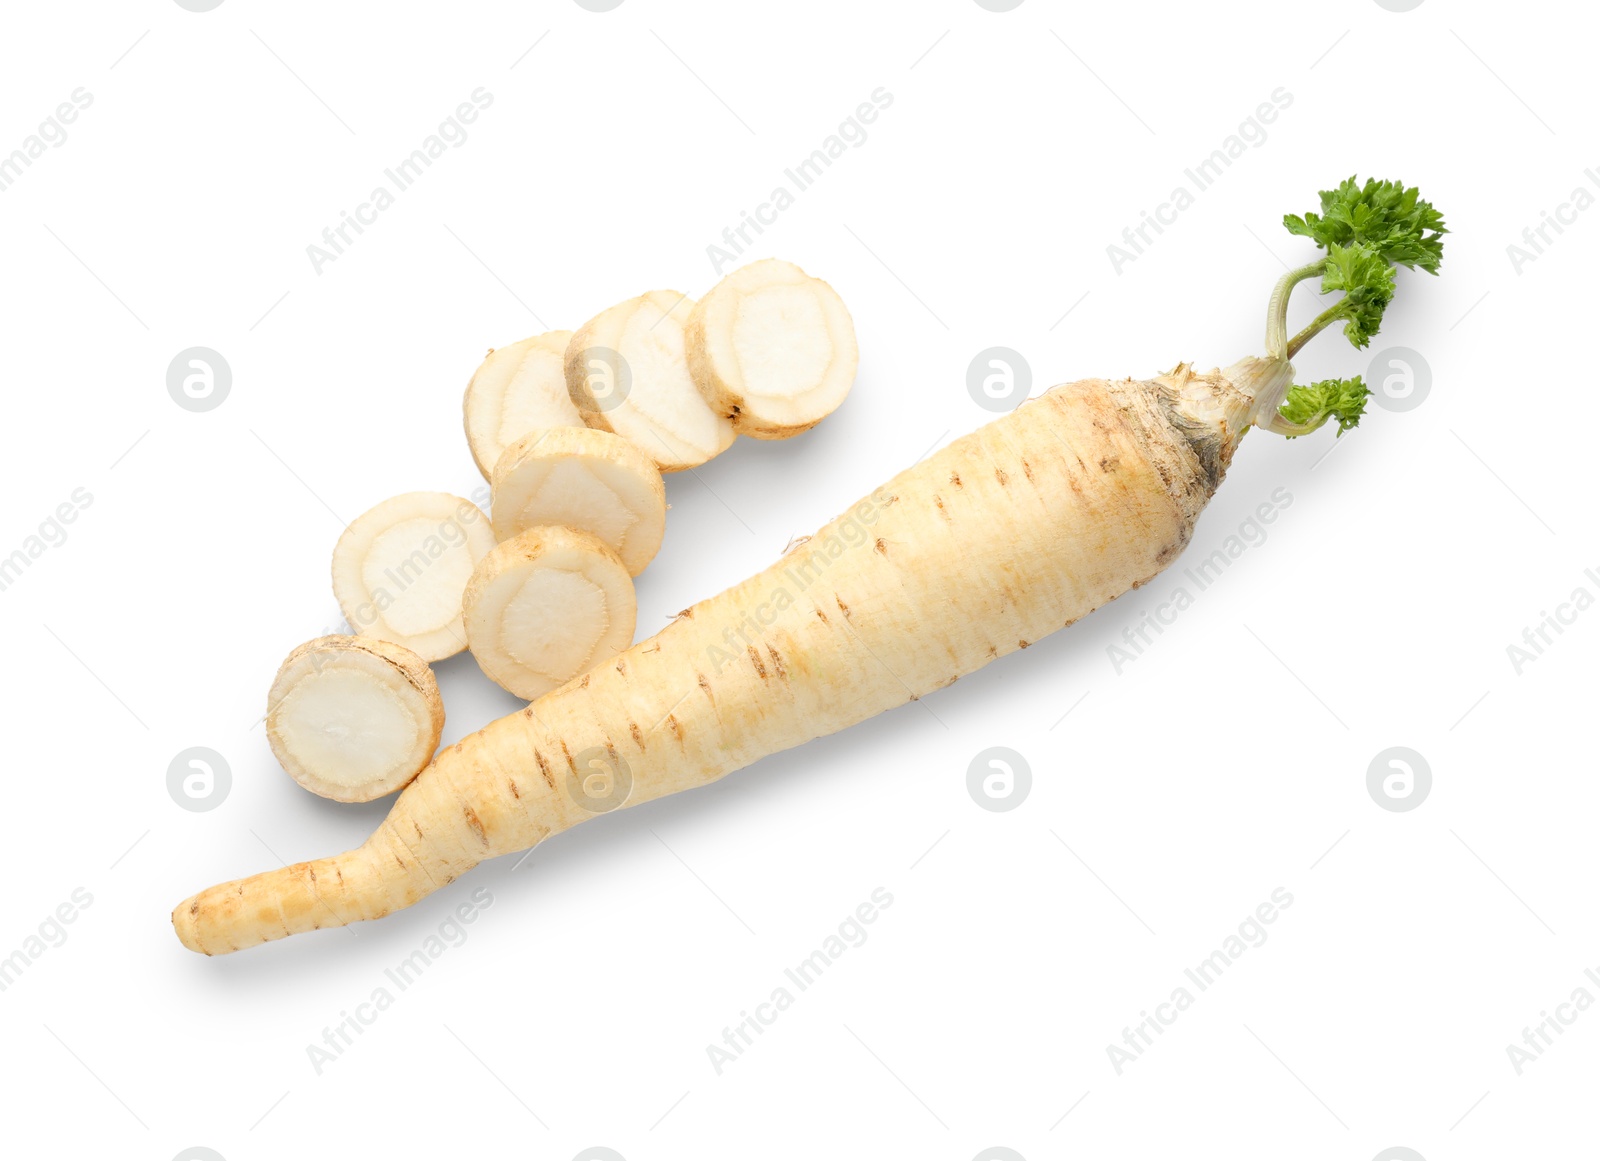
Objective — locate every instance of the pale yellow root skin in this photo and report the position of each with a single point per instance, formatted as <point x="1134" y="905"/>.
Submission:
<point x="1002" y="537"/>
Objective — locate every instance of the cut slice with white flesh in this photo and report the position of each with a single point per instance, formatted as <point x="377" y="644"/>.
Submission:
<point x="354" y="718"/>
<point x="517" y="389"/>
<point x="591" y="481"/>
<point x="399" y="570"/>
<point x="773" y="348"/>
<point x="547" y="606"/>
<point x="626" y="371"/>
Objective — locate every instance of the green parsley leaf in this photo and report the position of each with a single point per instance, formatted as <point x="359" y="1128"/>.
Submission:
<point x="1368" y="284"/>
<point x="1386" y="215"/>
<point x="1311" y="407"/>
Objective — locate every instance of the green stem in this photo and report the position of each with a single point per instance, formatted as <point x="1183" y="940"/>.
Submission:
<point x="1315" y="327"/>
<point x="1278" y="307"/>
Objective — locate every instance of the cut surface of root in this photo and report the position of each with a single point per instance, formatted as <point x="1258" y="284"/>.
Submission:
<point x="591" y="481"/>
<point x="772" y="348"/>
<point x="518" y="388"/>
<point x="627" y="371"/>
<point x="400" y="569"/>
<point x="546" y="606"/>
<point x="354" y="718"/>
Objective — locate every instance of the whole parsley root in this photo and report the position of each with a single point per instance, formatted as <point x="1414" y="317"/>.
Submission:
<point x="982" y="548"/>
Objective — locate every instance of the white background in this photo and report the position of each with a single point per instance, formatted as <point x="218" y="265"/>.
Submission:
<point x="1229" y="760"/>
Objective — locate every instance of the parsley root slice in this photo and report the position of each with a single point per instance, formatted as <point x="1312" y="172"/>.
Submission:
<point x="399" y="570"/>
<point x="627" y="371"/>
<point x="547" y="606"/>
<point x="984" y="547"/>
<point x="517" y="389"/>
<point x="354" y="718"/>
<point x="591" y="481"/>
<point x="772" y="348"/>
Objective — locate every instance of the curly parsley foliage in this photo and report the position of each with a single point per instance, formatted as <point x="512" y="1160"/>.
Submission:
<point x="1385" y="215"/>
<point x="1367" y="229"/>
<point x="1308" y="408"/>
<point x="1368" y="284"/>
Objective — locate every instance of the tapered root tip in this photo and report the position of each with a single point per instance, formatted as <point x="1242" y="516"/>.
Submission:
<point x="186" y="922"/>
<point x="234" y="916"/>
<point x="303" y="897"/>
